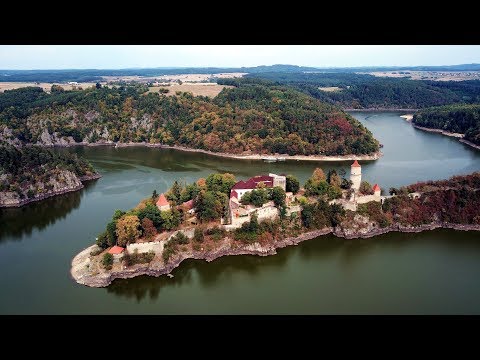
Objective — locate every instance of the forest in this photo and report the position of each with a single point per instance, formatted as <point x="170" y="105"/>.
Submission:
<point x="250" y="118"/>
<point x="362" y="91"/>
<point x="464" y="119"/>
<point x="21" y="169"/>
<point x="445" y="201"/>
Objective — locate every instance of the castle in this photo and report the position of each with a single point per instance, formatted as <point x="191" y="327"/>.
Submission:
<point x="356" y="196"/>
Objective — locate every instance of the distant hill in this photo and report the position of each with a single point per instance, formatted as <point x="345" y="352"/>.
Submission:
<point x="88" y="75"/>
<point x="251" y="118"/>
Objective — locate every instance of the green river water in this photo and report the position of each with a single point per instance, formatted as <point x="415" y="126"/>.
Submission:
<point x="431" y="272"/>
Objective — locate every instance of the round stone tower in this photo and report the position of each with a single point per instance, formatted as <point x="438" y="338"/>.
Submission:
<point x="356" y="175"/>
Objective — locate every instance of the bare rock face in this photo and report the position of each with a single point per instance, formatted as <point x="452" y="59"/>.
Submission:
<point x="61" y="182"/>
<point x="92" y="115"/>
<point x="45" y="138"/>
<point x="7" y="136"/>
<point x="360" y="226"/>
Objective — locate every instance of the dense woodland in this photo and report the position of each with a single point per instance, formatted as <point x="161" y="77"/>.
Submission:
<point x="463" y="119"/>
<point x="361" y="91"/>
<point x="251" y="118"/>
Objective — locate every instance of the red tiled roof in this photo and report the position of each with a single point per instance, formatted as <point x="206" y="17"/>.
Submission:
<point x="116" y="250"/>
<point x="188" y="204"/>
<point x="253" y="181"/>
<point x="233" y="194"/>
<point x="376" y="187"/>
<point x="355" y="164"/>
<point x="162" y="200"/>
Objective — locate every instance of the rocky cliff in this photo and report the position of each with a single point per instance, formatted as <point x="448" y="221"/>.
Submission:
<point x="61" y="182"/>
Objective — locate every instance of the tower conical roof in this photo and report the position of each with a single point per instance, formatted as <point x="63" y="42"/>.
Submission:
<point x="355" y="164"/>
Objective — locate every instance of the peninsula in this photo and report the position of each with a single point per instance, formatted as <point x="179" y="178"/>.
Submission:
<point x="33" y="173"/>
<point x="220" y="216"/>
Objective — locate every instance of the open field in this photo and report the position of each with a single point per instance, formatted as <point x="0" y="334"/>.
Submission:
<point x="197" y="78"/>
<point x="204" y="89"/>
<point x="330" y="88"/>
<point x="45" y="86"/>
<point x="429" y="75"/>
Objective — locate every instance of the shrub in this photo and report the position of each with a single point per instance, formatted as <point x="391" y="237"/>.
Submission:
<point x="179" y="238"/>
<point x="107" y="261"/>
<point x="96" y="252"/>
<point x="198" y="235"/>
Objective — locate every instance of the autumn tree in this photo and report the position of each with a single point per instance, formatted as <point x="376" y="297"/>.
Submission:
<point x="366" y="188"/>
<point x="202" y="184"/>
<point x="128" y="230"/>
<point x="334" y="179"/>
<point x="292" y="184"/>
<point x="318" y="175"/>
<point x="149" y="230"/>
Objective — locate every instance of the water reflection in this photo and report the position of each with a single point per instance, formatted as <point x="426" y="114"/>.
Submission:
<point x="17" y="222"/>
<point x="350" y="253"/>
<point x="190" y="271"/>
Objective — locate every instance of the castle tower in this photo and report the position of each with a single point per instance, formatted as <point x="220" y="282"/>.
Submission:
<point x="356" y="175"/>
<point x="376" y="190"/>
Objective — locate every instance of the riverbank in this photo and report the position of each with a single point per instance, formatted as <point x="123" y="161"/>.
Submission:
<point x="7" y="201"/>
<point x="80" y="270"/>
<point x="351" y="157"/>
<point x="459" y="136"/>
<point x="380" y="109"/>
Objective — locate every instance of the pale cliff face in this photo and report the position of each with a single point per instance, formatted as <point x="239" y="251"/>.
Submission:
<point x="60" y="181"/>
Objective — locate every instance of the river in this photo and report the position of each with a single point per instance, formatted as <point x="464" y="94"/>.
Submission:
<point x="427" y="273"/>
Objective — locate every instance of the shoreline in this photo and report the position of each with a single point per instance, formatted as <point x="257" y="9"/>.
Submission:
<point x="380" y="109"/>
<point x="53" y="193"/>
<point x="350" y="157"/>
<point x="157" y="269"/>
<point x="460" y="137"/>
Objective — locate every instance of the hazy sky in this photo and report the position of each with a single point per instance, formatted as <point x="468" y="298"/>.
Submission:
<point x="123" y="56"/>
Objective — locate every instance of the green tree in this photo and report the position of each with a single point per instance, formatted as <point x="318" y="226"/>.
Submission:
<point x="102" y="240"/>
<point x="278" y="196"/>
<point x="118" y="214"/>
<point x="107" y="261"/>
<point x="208" y="207"/>
<point x="175" y="193"/>
<point x="151" y="212"/>
<point x="154" y="195"/>
<point x="220" y="182"/>
<point x="98" y="85"/>
<point x="170" y="219"/>
<point x="292" y="184"/>
<point x="111" y="233"/>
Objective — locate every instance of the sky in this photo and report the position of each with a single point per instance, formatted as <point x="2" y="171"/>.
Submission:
<point x="17" y="57"/>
